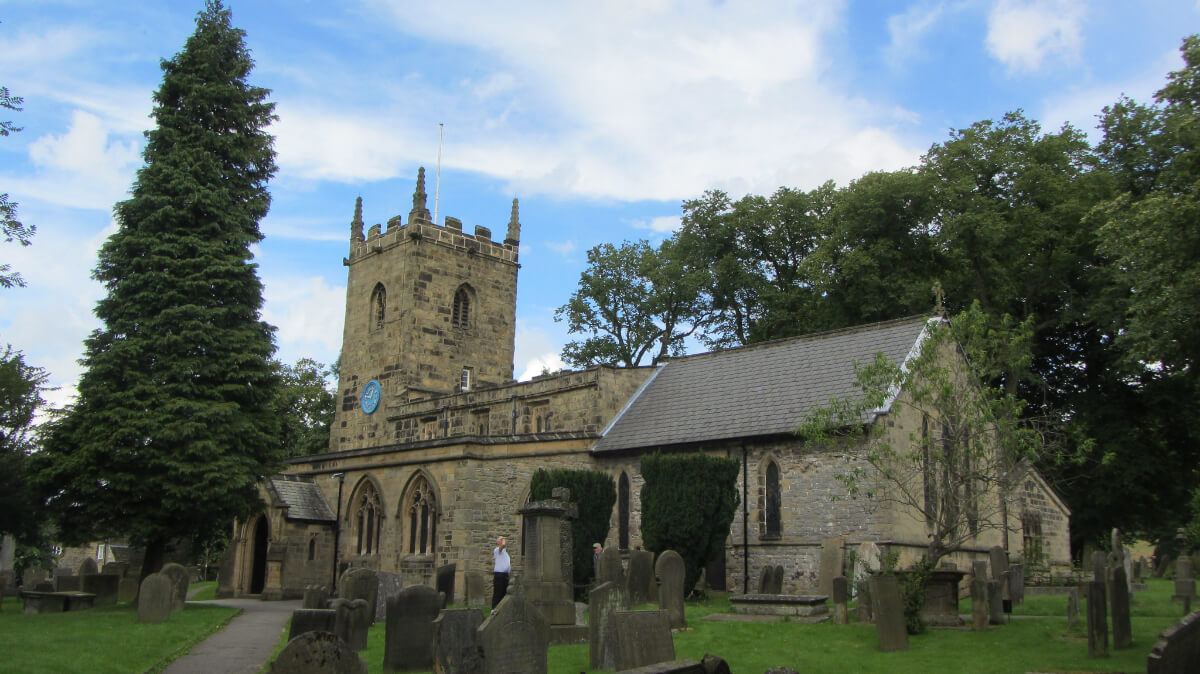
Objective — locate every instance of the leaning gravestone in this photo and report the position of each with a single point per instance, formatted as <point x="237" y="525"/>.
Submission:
<point x="764" y="580"/>
<point x="833" y="560"/>
<point x="841" y="597"/>
<point x="670" y="571"/>
<point x="1073" y="608"/>
<point x="445" y="582"/>
<point x="609" y="567"/>
<point x="179" y="584"/>
<point x="995" y="590"/>
<point x="603" y="601"/>
<point x="1097" y="620"/>
<point x="409" y="638"/>
<point x="88" y="567"/>
<point x="1122" y="631"/>
<point x="776" y="586"/>
<point x="640" y="576"/>
<point x="389" y="585"/>
<point x="105" y="586"/>
<point x="318" y="653"/>
<point x="1178" y="648"/>
<point x="316" y="597"/>
<point x="360" y="583"/>
<point x="643" y="638"/>
<point x="889" y="613"/>
<point x="156" y="598"/>
<point x="351" y="622"/>
<point x="312" y="620"/>
<point x="515" y="638"/>
<point x="999" y="560"/>
<point x="455" y="642"/>
<point x="979" y="603"/>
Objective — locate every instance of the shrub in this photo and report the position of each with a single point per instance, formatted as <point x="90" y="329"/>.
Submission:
<point x="594" y="493"/>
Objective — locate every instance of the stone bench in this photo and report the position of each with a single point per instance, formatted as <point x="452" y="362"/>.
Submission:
<point x="780" y="604"/>
<point x="56" y="602"/>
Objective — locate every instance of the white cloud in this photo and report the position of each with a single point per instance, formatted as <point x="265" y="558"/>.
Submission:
<point x="308" y="313"/>
<point x="1080" y="106"/>
<point x="564" y="248"/>
<point x="1024" y="33"/>
<point x="908" y="30"/>
<point x="536" y="349"/>
<point x="663" y="224"/>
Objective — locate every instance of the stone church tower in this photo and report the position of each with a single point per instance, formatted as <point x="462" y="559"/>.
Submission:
<point x="430" y="311"/>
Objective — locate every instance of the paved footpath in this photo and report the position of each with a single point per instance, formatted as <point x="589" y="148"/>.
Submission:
<point x="244" y="645"/>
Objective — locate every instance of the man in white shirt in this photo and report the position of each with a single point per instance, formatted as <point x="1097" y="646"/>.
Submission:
<point x="501" y="570"/>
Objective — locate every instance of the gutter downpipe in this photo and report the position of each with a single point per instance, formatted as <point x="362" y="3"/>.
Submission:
<point x="745" y="525"/>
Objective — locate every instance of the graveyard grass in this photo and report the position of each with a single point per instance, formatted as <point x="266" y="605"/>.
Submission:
<point x="104" y="639"/>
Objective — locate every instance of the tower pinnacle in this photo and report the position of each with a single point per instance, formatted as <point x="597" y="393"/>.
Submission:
<point x="514" y="226"/>
<point x="356" y="225"/>
<point x="419" y="212"/>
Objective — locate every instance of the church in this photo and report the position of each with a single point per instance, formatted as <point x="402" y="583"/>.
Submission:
<point x="433" y="443"/>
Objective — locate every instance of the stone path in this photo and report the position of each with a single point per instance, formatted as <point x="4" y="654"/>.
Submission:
<point x="244" y="645"/>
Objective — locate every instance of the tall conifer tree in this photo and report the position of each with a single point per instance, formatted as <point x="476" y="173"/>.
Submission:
<point x="172" y="428"/>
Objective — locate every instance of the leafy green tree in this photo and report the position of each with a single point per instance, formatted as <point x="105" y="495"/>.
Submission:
<point x="175" y="423"/>
<point x="688" y="503"/>
<point x="12" y="229"/>
<point x="21" y="387"/>
<point x="305" y="407"/>
<point x="594" y="493"/>
<point x="633" y="301"/>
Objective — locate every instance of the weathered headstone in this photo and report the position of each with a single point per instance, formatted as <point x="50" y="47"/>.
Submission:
<point x="316" y="597"/>
<point x="1178" y="648"/>
<point x="670" y="570"/>
<point x="833" y="561"/>
<point x="312" y="620"/>
<point x="456" y="642"/>
<point x="352" y="621"/>
<point x="603" y="601"/>
<point x="389" y="585"/>
<point x="1122" y="631"/>
<point x="979" y="603"/>
<point x="1099" y="566"/>
<point x="88" y="567"/>
<point x="515" y="638"/>
<point x="640" y="577"/>
<point x="360" y="583"/>
<point x="1097" y="620"/>
<point x="156" y="599"/>
<point x="865" y="612"/>
<point x="1185" y="583"/>
<point x="318" y="653"/>
<point x="548" y="570"/>
<point x="445" y="581"/>
<point x="643" y="638"/>
<point x="105" y="586"/>
<point x="764" y="579"/>
<point x="179" y="584"/>
<point x="225" y="574"/>
<point x="609" y="568"/>
<point x="1127" y="559"/>
<point x="999" y="563"/>
<point x="867" y="561"/>
<point x="476" y="590"/>
<point x="713" y="664"/>
<point x="1016" y="583"/>
<point x="777" y="580"/>
<point x="841" y="597"/>
<point x="888" y="609"/>
<point x="996" y="602"/>
<point x="409" y="638"/>
<point x="1073" y="607"/>
<point x="67" y="584"/>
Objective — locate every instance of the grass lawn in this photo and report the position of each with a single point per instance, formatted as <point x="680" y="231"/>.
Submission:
<point x="204" y="591"/>
<point x="106" y="639"/>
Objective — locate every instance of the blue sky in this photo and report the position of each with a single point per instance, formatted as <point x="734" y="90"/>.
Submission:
<point x="602" y="117"/>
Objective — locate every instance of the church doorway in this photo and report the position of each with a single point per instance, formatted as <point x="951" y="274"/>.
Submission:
<point x="258" y="573"/>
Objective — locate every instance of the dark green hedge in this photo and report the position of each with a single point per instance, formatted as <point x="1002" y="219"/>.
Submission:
<point x="688" y="503"/>
<point x="595" y="493"/>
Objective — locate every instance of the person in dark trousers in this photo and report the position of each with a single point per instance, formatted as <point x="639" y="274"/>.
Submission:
<point x="501" y="571"/>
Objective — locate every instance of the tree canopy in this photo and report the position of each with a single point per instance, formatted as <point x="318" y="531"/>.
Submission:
<point x="174" y="424"/>
<point x="11" y="228"/>
<point x="305" y="407"/>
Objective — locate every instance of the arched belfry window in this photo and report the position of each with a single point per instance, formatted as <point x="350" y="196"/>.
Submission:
<point x="366" y="519"/>
<point x="461" y="315"/>
<point x="419" y="513"/>
<point x="623" y="511"/>
<point x="378" y="306"/>
<point x="772" y="502"/>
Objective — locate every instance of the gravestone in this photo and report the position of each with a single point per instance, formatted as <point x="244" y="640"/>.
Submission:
<point x="841" y="597"/>
<point x="476" y="590"/>
<point x="714" y="665"/>
<point x="1139" y="569"/>
<point x="455" y="642"/>
<point x="995" y="590"/>
<point x="764" y="580"/>
<point x="352" y="621"/>
<point x="1178" y="648"/>
<point x="867" y="561"/>
<point x="179" y="584"/>
<point x="1122" y="631"/>
<point x="1016" y="583"/>
<point x="1185" y="584"/>
<point x="515" y="638"/>
<point x="1073" y="608"/>
<point x="318" y="653"/>
<point x="9" y="578"/>
<point x="32" y="576"/>
<point x="68" y="584"/>
<point x="88" y="567"/>
<point x="1099" y="566"/>
<point x="156" y="599"/>
<point x="865" y="614"/>
<point x="1097" y="620"/>
<point x="1127" y="559"/>
<point x="225" y="573"/>
<point x="312" y="620"/>
<point x="548" y="572"/>
<point x="410" y="629"/>
<point x="316" y="597"/>
<point x="999" y="561"/>
<point x="105" y="586"/>
<point x="643" y="638"/>
<point x="445" y="582"/>
<point x="888" y="609"/>
<point x="640" y="577"/>
<point x="777" y="580"/>
<point x="389" y="585"/>
<point x="979" y="603"/>
<point x="669" y="570"/>
<point x="360" y="583"/>
<point x="603" y="601"/>
<point x="608" y="568"/>
<point x="833" y="561"/>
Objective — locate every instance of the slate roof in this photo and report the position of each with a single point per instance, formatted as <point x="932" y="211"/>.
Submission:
<point x="763" y="389"/>
<point x="303" y="499"/>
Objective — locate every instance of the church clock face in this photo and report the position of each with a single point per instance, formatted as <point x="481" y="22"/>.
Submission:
<point x="370" y="396"/>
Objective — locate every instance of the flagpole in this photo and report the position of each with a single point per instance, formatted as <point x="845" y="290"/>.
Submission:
<point x="437" y="186"/>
